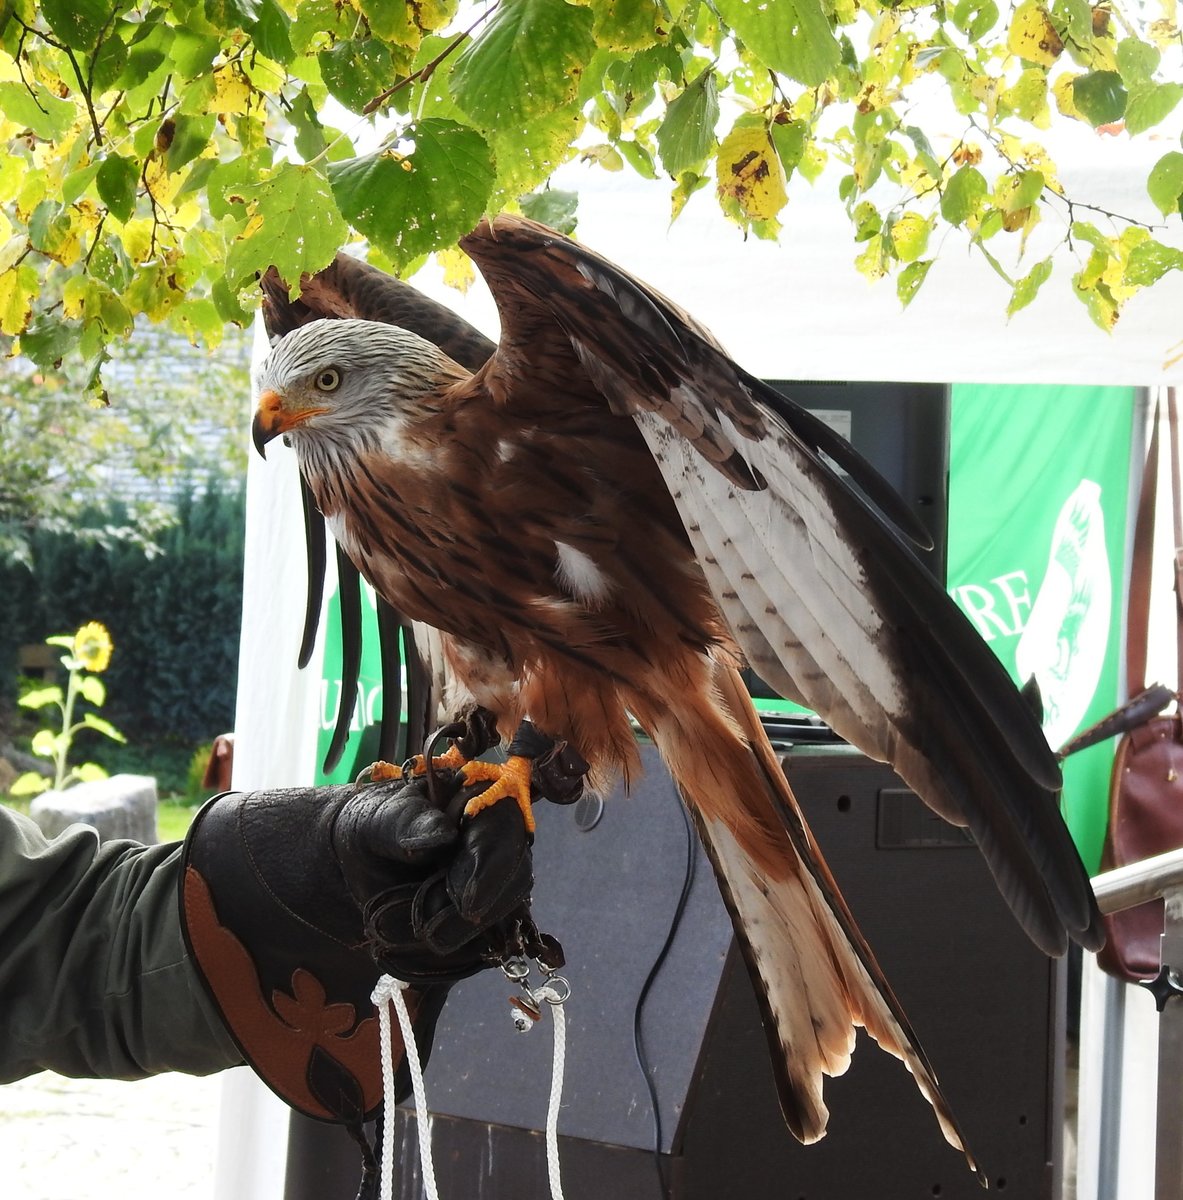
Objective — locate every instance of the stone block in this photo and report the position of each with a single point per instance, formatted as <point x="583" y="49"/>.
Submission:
<point x="123" y="806"/>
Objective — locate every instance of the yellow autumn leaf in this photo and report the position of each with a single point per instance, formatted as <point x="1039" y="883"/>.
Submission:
<point x="232" y="91"/>
<point x="874" y="260"/>
<point x="162" y="184"/>
<point x="33" y="190"/>
<point x="136" y="237"/>
<point x="748" y="173"/>
<point x="909" y="236"/>
<point x="1062" y="91"/>
<point x="1032" y="36"/>
<point x="74" y="295"/>
<point x="17" y="286"/>
<point x="457" y="268"/>
<point x="12" y="250"/>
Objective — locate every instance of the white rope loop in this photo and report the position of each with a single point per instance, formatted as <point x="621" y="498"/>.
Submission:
<point x="389" y="991"/>
<point x="555" y="1000"/>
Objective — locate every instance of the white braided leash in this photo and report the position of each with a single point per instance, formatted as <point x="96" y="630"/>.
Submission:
<point x="387" y="992"/>
<point x="555" y="1000"/>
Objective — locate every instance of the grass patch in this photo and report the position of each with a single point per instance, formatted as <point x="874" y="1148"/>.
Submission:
<point x="173" y="820"/>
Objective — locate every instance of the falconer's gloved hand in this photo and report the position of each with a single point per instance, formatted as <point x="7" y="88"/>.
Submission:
<point x="295" y="901"/>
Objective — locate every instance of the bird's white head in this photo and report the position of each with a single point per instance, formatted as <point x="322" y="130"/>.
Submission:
<point x="343" y="382"/>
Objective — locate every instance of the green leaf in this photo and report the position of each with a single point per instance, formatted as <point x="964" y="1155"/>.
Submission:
<point x="552" y="207"/>
<point x="790" y="36"/>
<point x="789" y="138"/>
<point x="1076" y="18"/>
<point x="447" y="172"/>
<point x="310" y="134"/>
<point x="1149" y="104"/>
<point x="1026" y="289"/>
<point x="44" y="743"/>
<point x="270" y="32"/>
<point x="356" y="71"/>
<point x="975" y="18"/>
<point x="90" y="773"/>
<point x="92" y="689"/>
<point x="190" y="136"/>
<point x="1149" y="261"/>
<point x="1165" y="184"/>
<point x="78" y="181"/>
<point x="637" y="157"/>
<point x="78" y="23"/>
<point x="232" y="14"/>
<point x="687" y="134"/>
<point x="49" y="339"/>
<point x="103" y="727"/>
<point x="118" y="180"/>
<point x="1136" y="60"/>
<point x="30" y="784"/>
<point x="37" y="109"/>
<point x="108" y="63"/>
<point x="65" y="640"/>
<point x="527" y="62"/>
<point x="1100" y="97"/>
<point x="299" y="227"/>
<point x="963" y="195"/>
<point x="1016" y="192"/>
<point x="628" y="24"/>
<point x="40" y="697"/>
<point x="910" y="279"/>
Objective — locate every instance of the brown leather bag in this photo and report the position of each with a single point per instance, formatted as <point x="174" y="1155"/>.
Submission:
<point x="1146" y="787"/>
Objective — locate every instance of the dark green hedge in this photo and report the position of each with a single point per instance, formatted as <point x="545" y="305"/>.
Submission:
<point x="174" y="616"/>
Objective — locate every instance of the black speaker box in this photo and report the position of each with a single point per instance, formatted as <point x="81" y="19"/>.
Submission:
<point x="985" y="1004"/>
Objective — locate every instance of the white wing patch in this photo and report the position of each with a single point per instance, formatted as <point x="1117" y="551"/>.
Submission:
<point x="792" y="589"/>
<point x="578" y="573"/>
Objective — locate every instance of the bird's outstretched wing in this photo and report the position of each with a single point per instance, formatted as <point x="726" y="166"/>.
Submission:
<point x="349" y="287"/>
<point x="822" y="593"/>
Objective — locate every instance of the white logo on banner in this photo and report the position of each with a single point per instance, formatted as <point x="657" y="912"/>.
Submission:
<point x="1067" y="633"/>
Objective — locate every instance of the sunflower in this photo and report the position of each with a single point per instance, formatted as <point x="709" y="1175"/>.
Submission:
<point x="93" y="646"/>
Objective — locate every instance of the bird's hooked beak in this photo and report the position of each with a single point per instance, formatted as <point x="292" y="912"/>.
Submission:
<point x="274" y="416"/>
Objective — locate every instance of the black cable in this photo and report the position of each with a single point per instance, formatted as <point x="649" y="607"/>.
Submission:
<point x="658" y="962"/>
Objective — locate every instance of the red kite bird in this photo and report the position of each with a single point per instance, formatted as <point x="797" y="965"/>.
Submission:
<point x="604" y="517"/>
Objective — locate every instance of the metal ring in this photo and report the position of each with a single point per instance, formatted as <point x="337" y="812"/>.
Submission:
<point x="559" y="988"/>
<point x="516" y="969"/>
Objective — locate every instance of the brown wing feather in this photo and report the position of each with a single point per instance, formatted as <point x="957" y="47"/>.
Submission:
<point x="349" y="287"/>
<point x="816" y="587"/>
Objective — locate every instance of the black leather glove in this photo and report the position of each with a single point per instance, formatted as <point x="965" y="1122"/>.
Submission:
<point x="295" y="901"/>
<point x="456" y="884"/>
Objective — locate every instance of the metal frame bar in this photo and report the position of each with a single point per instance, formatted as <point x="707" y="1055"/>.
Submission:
<point x="1126" y="887"/>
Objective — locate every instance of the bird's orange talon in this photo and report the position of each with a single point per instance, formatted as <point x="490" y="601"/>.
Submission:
<point x="508" y="779"/>
<point x="378" y="772"/>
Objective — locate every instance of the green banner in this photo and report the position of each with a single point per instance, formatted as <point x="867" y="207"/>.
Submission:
<point x="361" y="749"/>
<point x="1038" y="498"/>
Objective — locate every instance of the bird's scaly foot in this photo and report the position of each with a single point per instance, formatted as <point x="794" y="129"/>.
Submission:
<point x="381" y="771"/>
<point x="509" y="779"/>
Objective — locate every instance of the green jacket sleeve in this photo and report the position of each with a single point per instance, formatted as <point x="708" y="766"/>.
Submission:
<point x="94" y="976"/>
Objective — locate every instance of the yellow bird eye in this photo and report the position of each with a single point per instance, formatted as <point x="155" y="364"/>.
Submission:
<point x="329" y="380"/>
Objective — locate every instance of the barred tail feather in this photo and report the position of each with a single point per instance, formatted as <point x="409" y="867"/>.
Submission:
<point x="815" y="976"/>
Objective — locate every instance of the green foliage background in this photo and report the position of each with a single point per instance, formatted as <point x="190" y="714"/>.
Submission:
<point x="161" y="154"/>
<point x="174" y="616"/>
